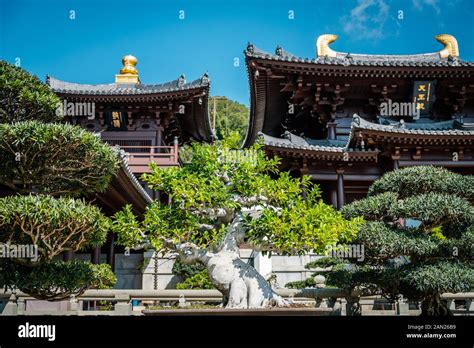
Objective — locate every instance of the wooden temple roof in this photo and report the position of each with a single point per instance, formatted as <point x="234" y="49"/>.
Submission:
<point x="448" y="57"/>
<point x="195" y="123"/>
<point x="123" y="189"/>
<point x="137" y="89"/>
<point x="321" y="149"/>
<point x="381" y="133"/>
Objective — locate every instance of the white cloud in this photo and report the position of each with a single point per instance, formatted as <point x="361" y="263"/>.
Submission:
<point x="420" y="4"/>
<point x="367" y="20"/>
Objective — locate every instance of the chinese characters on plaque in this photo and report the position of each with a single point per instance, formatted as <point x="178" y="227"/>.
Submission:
<point x="424" y="96"/>
<point x="116" y="120"/>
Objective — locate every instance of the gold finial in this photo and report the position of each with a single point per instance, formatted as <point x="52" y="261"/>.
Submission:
<point x="450" y="46"/>
<point x="322" y="45"/>
<point x="128" y="74"/>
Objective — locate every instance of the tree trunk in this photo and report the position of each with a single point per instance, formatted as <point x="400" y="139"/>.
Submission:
<point x="434" y="306"/>
<point x="241" y="285"/>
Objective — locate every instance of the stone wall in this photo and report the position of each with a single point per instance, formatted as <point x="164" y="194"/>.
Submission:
<point x="144" y="271"/>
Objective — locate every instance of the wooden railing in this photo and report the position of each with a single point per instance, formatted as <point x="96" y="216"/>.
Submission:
<point x="132" y="302"/>
<point x="139" y="157"/>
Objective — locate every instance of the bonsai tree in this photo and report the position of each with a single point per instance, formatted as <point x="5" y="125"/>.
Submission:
<point x="418" y="239"/>
<point x="48" y="164"/>
<point x="24" y="97"/>
<point x="224" y="198"/>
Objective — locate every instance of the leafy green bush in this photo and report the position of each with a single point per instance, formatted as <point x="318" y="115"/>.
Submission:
<point x="56" y="280"/>
<point x="58" y="159"/>
<point x="194" y="276"/>
<point x="197" y="281"/>
<point x="185" y="270"/>
<point x="301" y="284"/>
<point x="53" y="224"/>
<point x="24" y="97"/>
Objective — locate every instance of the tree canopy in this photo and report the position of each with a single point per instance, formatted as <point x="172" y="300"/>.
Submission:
<point x="223" y="186"/>
<point x="24" y="97"/>
<point x="54" y="225"/>
<point x="231" y="116"/>
<point x="57" y="159"/>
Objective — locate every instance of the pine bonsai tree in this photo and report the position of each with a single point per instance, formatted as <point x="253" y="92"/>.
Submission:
<point x="418" y="238"/>
<point x="43" y="166"/>
<point x="224" y="198"/>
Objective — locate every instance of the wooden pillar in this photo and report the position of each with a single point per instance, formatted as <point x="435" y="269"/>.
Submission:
<point x="111" y="251"/>
<point x="331" y="130"/>
<point x="333" y="196"/>
<point x="175" y="150"/>
<point x="396" y="164"/>
<point x="95" y="255"/>
<point x="159" y="130"/>
<point x="340" y="188"/>
<point x="396" y="158"/>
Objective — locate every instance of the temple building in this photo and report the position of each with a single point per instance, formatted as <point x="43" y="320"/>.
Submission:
<point x="345" y="119"/>
<point x="145" y="123"/>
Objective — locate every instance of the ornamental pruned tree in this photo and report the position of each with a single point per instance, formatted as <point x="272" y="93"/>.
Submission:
<point x="418" y="239"/>
<point x="55" y="159"/>
<point x="226" y="197"/>
<point x="24" y="97"/>
<point x="46" y="167"/>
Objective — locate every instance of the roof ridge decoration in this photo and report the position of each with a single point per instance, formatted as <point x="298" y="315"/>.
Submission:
<point x="129" y="73"/>
<point x="451" y="48"/>
<point x="322" y="45"/>
<point x="450" y="43"/>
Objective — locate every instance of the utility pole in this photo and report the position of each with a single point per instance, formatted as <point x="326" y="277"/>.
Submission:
<point x="214" y="116"/>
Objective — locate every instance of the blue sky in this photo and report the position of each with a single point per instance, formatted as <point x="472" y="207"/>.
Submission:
<point x="88" y="49"/>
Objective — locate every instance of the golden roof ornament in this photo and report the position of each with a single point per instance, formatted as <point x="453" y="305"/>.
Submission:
<point x="450" y="46"/>
<point x="322" y="45"/>
<point x="129" y="73"/>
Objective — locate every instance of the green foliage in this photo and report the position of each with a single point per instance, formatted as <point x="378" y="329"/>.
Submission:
<point x="436" y="278"/>
<point x="418" y="262"/>
<point x="194" y="276"/>
<point x="424" y="179"/>
<point x="24" y="97"/>
<point x="231" y="117"/>
<point x="222" y="181"/>
<point x="56" y="159"/>
<point x="301" y="284"/>
<point x="53" y="224"/>
<point x="197" y="281"/>
<point x="185" y="270"/>
<point x="127" y="227"/>
<point x="56" y="280"/>
<point x="324" y="262"/>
